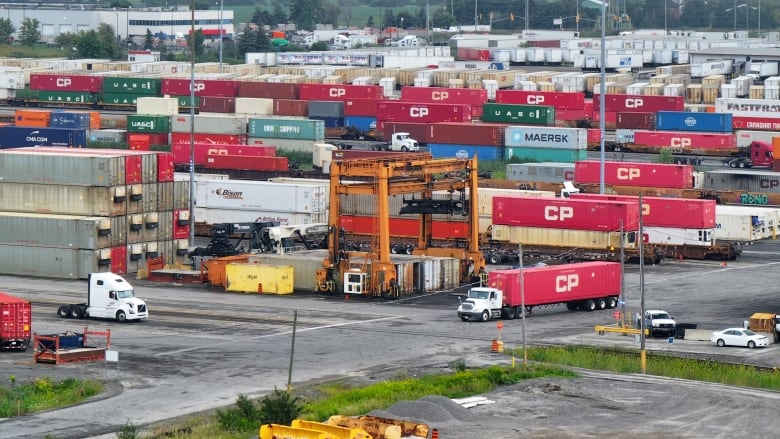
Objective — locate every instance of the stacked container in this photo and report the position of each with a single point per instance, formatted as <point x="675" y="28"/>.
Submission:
<point x="286" y="132"/>
<point x="546" y="144"/>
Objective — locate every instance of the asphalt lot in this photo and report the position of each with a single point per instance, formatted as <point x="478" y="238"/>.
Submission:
<point x="201" y="348"/>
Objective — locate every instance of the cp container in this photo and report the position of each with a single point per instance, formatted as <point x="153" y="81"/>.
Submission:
<point x="402" y="227"/>
<point x="577" y="214"/>
<point x="202" y="151"/>
<point x="549" y="172"/>
<point x="751" y="184"/>
<point x="15" y="322"/>
<point x="700" y="122"/>
<point x="136" y="86"/>
<point x="635" y="120"/>
<point x="271" y="90"/>
<point x="636" y="174"/>
<point x="217" y="124"/>
<point x="559" y="100"/>
<point x="259" y="278"/>
<point x="545" y="154"/>
<point x="360" y="107"/>
<point x="203" y="87"/>
<point x="688" y="142"/>
<point x="486" y="134"/>
<point x="209" y="138"/>
<point x="66" y="82"/>
<point x="476" y="97"/>
<point x="338" y="92"/>
<point x="642" y="103"/>
<point x="556" y="138"/>
<point x="422" y="112"/>
<point x="292" y="107"/>
<point x="518" y="114"/>
<point x="287" y="128"/>
<point x="17" y="137"/>
<point x="446" y="150"/>
<point x="141" y="123"/>
<point x="682" y="213"/>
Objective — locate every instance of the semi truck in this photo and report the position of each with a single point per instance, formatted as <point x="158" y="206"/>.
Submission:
<point x="109" y="296"/>
<point x="581" y="286"/>
<point x="15" y="322"/>
<point x="399" y="142"/>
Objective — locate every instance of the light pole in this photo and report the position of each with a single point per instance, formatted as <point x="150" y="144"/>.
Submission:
<point x="602" y="92"/>
<point x="526" y="14"/>
<point x="427" y="23"/>
<point x="666" y="27"/>
<point x="221" y="5"/>
<point x="476" y="17"/>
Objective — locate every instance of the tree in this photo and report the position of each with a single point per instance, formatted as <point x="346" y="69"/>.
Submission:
<point x="262" y="42"/>
<point x="695" y="14"/>
<point x="370" y="21"/>
<point x="261" y="16"/>
<point x="443" y="19"/>
<point x="389" y="19"/>
<point x="328" y="13"/>
<point x="120" y="4"/>
<point x="305" y="13"/>
<point x="319" y="46"/>
<point x="278" y="16"/>
<point x="149" y="40"/>
<point x="6" y="29"/>
<point x="247" y="43"/>
<point x="29" y="33"/>
<point x="198" y="45"/>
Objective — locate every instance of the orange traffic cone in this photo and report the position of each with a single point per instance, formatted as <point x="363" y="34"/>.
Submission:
<point x="435" y="433"/>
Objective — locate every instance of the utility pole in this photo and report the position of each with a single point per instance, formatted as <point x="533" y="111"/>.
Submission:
<point x="522" y="300"/>
<point x="476" y="17"/>
<point x="642" y="350"/>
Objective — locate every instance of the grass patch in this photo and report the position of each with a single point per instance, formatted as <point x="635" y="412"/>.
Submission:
<point x="44" y="393"/>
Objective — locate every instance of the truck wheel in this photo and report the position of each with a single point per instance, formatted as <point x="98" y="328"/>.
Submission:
<point x="590" y="305"/>
<point x="76" y="312"/>
<point x="485" y="315"/>
<point x="611" y="302"/>
<point x="494" y="259"/>
<point x="404" y="149"/>
<point x="601" y="303"/>
<point x="64" y="311"/>
<point x="121" y="316"/>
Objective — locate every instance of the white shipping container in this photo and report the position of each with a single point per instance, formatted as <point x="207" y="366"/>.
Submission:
<point x="745" y="137"/>
<point x="742" y="84"/>
<point x="219" y="216"/>
<point x="772" y="92"/>
<point x="676" y="236"/>
<point x="728" y="91"/>
<point x="662" y="56"/>
<point x="534" y="54"/>
<point x="261" y="196"/>
<point x="212" y="123"/>
<point x="553" y="56"/>
<point x="154" y="106"/>
<point x="13" y="79"/>
<point x="745" y="223"/>
<point x="624" y="135"/>
<point x="637" y="88"/>
<point x="674" y="90"/>
<point x="517" y="55"/>
<point x="254" y="106"/>
<point x="546" y="137"/>
<point x="748" y="107"/>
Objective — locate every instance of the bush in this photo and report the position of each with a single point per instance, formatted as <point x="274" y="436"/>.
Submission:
<point x="280" y="408"/>
<point x="243" y="417"/>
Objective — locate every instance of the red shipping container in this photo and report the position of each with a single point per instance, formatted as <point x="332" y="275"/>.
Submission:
<point x="291" y="107"/>
<point x="542" y="43"/>
<point x="139" y="142"/>
<point x="571" y="115"/>
<point x="609" y="119"/>
<point x="181" y="151"/>
<point x="248" y="163"/>
<point x="402" y="111"/>
<point x="119" y="259"/>
<point x="133" y="169"/>
<point x="217" y="104"/>
<point x="635" y="174"/>
<point x="15" y="322"/>
<point x="643" y="103"/>
<point x="635" y="120"/>
<point x="688" y="142"/>
<point x="235" y="139"/>
<point x="683" y="213"/>
<point x="272" y="90"/>
<point x="472" y="54"/>
<point x="588" y="109"/>
<point x="477" y="112"/>
<point x="466" y="133"/>
<point x="468" y="96"/>
<point x="360" y="107"/>
<point x="203" y="87"/>
<point x="340" y="92"/>
<point x="594" y="137"/>
<point x="403" y="227"/>
<point x="165" y="167"/>
<point x="181" y="224"/>
<point x="65" y="82"/>
<point x="557" y="283"/>
<point x="755" y="123"/>
<point x="559" y="100"/>
<point x="417" y="131"/>
<point x="566" y="213"/>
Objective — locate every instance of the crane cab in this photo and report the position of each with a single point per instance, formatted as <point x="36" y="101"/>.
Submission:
<point x="355" y="281"/>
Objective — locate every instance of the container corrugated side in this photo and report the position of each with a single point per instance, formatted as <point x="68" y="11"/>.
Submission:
<point x="261" y="196"/>
<point x="165" y="225"/>
<point x="254" y="106"/>
<point x="287" y="128"/>
<point x="566" y="238"/>
<point x="546" y="172"/>
<point x="65" y="200"/>
<point x="546" y="154"/>
<point x="29" y="166"/>
<point x="57" y="263"/>
<point x="259" y="278"/>
<point x="160" y="106"/>
<point x="75" y="232"/>
<point x="222" y="124"/>
<point x="304" y="266"/>
<point x="735" y="180"/>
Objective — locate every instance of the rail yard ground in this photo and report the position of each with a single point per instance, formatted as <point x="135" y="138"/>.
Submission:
<point x="201" y="348"/>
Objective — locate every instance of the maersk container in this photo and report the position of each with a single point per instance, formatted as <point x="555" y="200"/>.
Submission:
<point x="64" y="168"/>
<point x="67" y="97"/>
<point x="637" y="174"/>
<point x="216" y="124"/>
<point x="57" y="263"/>
<point x="107" y="136"/>
<point x="141" y="123"/>
<point x="687" y="121"/>
<point x="446" y="150"/>
<point x="287" y="128"/>
<point x="260" y="196"/>
<point x="64" y="231"/>
<point x="65" y="200"/>
<point x="518" y="114"/>
<point x="558" y="237"/>
<point x="130" y="85"/>
<point x="327" y="109"/>
<point x="545" y="172"/>
<point x="69" y="119"/>
<point x="556" y="138"/>
<point x="15" y="322"/>
<point x="17" y="137"/>
<point x="545" y="154"/>
<point x="564" y="213"/>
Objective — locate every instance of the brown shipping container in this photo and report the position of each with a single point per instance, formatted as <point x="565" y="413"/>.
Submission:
<point x="291" y="107"/>
<point x="135" y="198"/>
<point x="65" y="200"/>
<point x="217" y="104"/>
<point x="635" y="120"/>
<point x="417" y="131"/>
<point x="150" y="200"/>
<point x="273" y="90"/>
<point x="487" y="134"/>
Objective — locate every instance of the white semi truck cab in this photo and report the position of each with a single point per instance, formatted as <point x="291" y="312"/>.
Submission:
<point x="402" y="142"/>
<point x="481" y="303"/>
<point x="109" y="296"/>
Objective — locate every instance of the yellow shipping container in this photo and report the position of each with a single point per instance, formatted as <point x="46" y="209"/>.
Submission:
<point x="539" y="236"/>
<point x="259" y="278"/>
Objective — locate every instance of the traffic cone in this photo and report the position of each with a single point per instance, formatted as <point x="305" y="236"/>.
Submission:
<point x="681" y="258"/>
<point x="346" y="297"/>
<point x="435" y="433"/>
<point x="724" y="264"/>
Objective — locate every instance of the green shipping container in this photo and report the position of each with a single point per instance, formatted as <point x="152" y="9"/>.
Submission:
<point x="139" y="86"/>
<point x="67" y="97"/>
<point x="120" y="99"/>
<point x="528" y="154"/>
<point x="185" y="101"/>
<point x="287" y="128"/>
<point x="523" y="114"/>
<point x="141" y="123"/>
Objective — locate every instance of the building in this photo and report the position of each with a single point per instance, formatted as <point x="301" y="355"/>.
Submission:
<point x="166" y="23"/>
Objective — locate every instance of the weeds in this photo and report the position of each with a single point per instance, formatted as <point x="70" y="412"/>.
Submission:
<point x="128" y="431"/>
<point x="43" y="393"/>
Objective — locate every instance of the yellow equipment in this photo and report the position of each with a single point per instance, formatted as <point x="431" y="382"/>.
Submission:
<point x="334" y="430"/>
<point x="372" y="272"/>
<point x="278" y="431"/>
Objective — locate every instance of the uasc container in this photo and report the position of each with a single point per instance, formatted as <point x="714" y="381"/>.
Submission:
<point x="522" y="114"/>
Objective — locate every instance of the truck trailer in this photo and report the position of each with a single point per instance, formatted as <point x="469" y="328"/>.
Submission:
<point x="15" y="322"/>
<point x="109" y="296"/>
<point x="582" y="286"/>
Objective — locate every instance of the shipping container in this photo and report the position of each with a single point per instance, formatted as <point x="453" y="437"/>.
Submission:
<point x="360" y="107"/>
<point x="577" y="214"/>
<point x="562" y="238"/>
<point x="144" y="141"/>
<point x="385" y="129"/>
<point x="759" y="108"/>
<point x="663" y="212"/>
<point x="260" y="196"/>
<point x="544" y="172"/>
<point x="132" y="85"/>
<point x="31" y="165"/>
<point x="326" y="109"/>
<point x="678" y="236"/>
<point x="32" y="118"/>
<point x="202" y="151"/>
<point x="555" y="138"/>
<point x="635" y="120"/>
<point x="442" y="150"/>
<point x="74" y="98"/>
<point x="467" y="96"/>
<point x="65" y="200"/>
<point x="643" y="103"/>
<point x="18" y="137"/>
<point x="518" y="114"/>
<point x="247" y="163"/>
<point x="15" y="322"/>
<point x="338" y="92"/>
<point x="304" y="145"/>
<point x="363" y="123"/>
<point x="218" y="104"/>
<point x="287" y="128"/>
<point x="163" y="106"/>
<point x="217" y="124"/>
<point x="744" y="223"/>
<point x="209" y="217"/>
<point x="422" y="112"/>
<point x="203" y="87"/>
<point x="402" y="227"/>
<point x="687" y="142"/>
<point x="558" y="100"/>
<point x="209" y="138"/>
<point x="294" y="107"/>
<point x="700" y="122"/>
<point x="756" y="123"/>
<point x="106" y="136"/>
<point x="141" y="123"/>
<point x="746" y="137"/>
<point x="635" y="174"/>
<point x="259" y="278"/>
<point x="271" y="90"/>
<point x="486" y="195"/>
<point x="465" y="133"/>
<point x="531" y="154"/>
<point x="752" y="183"/>
<point x="57" y="263"/>
<point x="66" y="82"/>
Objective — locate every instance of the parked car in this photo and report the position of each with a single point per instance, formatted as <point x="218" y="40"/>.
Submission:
<point x="739" y="337"/>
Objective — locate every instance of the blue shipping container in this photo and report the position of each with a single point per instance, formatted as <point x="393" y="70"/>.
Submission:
<point x="363" y="123"/>
<point x="688" y="121"/>
<point x="65" y="119"/>
<point x="330" y="122"/>
<point x="19" y="137"/>
<point x="442" y="150"/>
<point x="528" y="154"/>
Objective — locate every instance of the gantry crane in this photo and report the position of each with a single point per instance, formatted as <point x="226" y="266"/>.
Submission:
<point x="372" y="272"/>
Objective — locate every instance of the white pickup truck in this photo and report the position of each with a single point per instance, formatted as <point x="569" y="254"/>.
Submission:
<point x="660" y="323"/>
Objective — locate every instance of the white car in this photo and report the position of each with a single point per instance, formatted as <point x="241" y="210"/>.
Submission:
<point x="739" y="337"/>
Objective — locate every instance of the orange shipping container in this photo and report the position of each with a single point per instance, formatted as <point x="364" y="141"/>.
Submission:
<point x="216" y="268"/>
<point x="32" y="118"/>
<point x="94" y="120"/>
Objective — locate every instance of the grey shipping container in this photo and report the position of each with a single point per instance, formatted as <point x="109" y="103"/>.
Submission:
<point x="74" y="232"/>
<point x="236" y="125"/>
<point x="545" y="172"/>
<point x="65" y="200"/>
<point x="165" y="225"/>
<point x="106" y="136"/>
<point x="748" y="181"/>
<point x="135" y="198"/>
<point x="181" y="194"/>
<point x="149" y="168"/>
<point x="58" y="263"/>
<point x="326" y="108"/>
<point x="62" y="168"/>
<point x="165" y="198"/>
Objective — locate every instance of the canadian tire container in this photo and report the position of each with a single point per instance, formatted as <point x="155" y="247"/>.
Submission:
<point x="518" y="114"/>
<point x="15" y="322"/>
<point x="141" y="123"/>
<point x="546" y="154"/>
<point x="287" y="128"/>
<point x="259" y="278"/>
<point x="577" y="214"/>
<point x="17" y="137"/>
<point x="756" y="123"/>
<point x="635" y="174"/>
<point x="64" y="200"/>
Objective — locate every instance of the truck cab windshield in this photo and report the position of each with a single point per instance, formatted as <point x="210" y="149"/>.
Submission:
<point x="661" y="315"/>
<point x="478" y="294"/>
<point x="125" y="294"/>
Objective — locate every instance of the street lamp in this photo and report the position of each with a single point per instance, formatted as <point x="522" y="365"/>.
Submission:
<point x="221" y="6"/>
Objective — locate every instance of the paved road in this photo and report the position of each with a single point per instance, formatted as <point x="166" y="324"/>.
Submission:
<point x="201" y="348"/>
